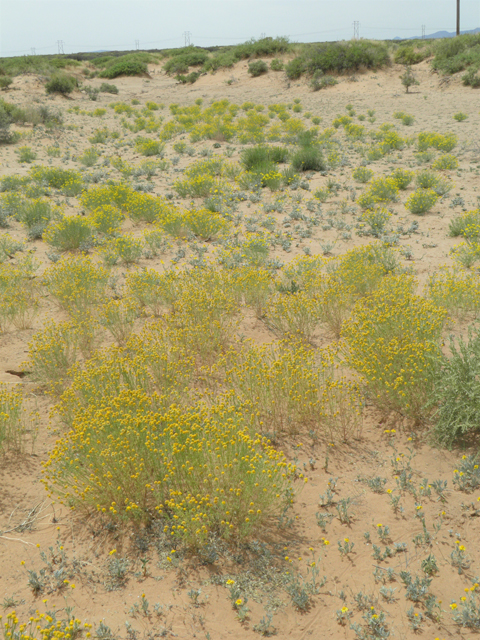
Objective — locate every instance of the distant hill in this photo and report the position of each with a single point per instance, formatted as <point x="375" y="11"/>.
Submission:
<point x="440" y="34"/>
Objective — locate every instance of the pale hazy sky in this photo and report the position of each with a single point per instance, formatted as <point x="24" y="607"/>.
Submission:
<point x="92" y="25"/>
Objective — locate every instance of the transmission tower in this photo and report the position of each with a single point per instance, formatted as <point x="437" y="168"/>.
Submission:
<point x="187" y="35"/>
<point x="356" y="28"/>
<point x="423" y="32"/>
<point x="60" y="46"/>
<point x="33" y="51"/>
<point x="137" y="44"/>
<point x="263" y="36"/>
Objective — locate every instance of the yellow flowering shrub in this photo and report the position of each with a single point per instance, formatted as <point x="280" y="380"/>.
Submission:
<point x="41" y="626"/>
<point x="77" y="284"/>
<point x="288" y="388"/>
<point x="197" y="469"/>
<point x="106" y="219"/>
<point x="153" y="291"/>
<point x="455" y="291"/>
<point x="124" y="250"/>
<point x="393" y="341"/>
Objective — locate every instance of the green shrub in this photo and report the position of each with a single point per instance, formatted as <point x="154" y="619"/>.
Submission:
<point x="309" y="159"/>
<point x="125" y="67"/>
<point x="262" y="47"/>
<point x="5" y="82"/>
<point x="471" y="78"/>
<point x="180" y="63"/>
<point x="221" y="60"/>
<point x="320" y="81"/>
<point x="276" y="65"/>
<point x="257" y="68"/>
<point x="456" y="54"/>
<point x="295" y="68"/>
<point x="61" y="83"/>
<point x="190" y="79"/>
<point x="460" y="116"/>
<point x="406" y="54"/>
<point x="108" y="88"/>
<point x="457" y="391"/>
<point x="339" y="57"/>
<point x="5" y="122"/>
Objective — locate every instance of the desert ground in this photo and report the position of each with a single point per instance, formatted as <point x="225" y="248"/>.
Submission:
<point x="346" y="552"/>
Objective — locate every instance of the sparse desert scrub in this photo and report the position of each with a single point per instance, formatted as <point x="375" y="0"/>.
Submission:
<point x="184" y="351"/>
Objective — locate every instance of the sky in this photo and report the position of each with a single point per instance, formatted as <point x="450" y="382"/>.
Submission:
<point x="95" y="25"/>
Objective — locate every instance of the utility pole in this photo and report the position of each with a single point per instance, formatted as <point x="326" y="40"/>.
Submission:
<point x="356" y="26"/>
<point x="137" y="44"/>
<point x="60" y="46"/>
<point x="33" y="51"/>
<point x="458" y="17"/>
<point x="423" y="32"/>
<point x="186" y="35"/>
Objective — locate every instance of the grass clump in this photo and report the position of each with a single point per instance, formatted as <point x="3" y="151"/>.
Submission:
<point x="68" y="234"/>
<point x="457" y="393"/>
<point x="309" y="158"/>
<point x="14" y="428"/>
